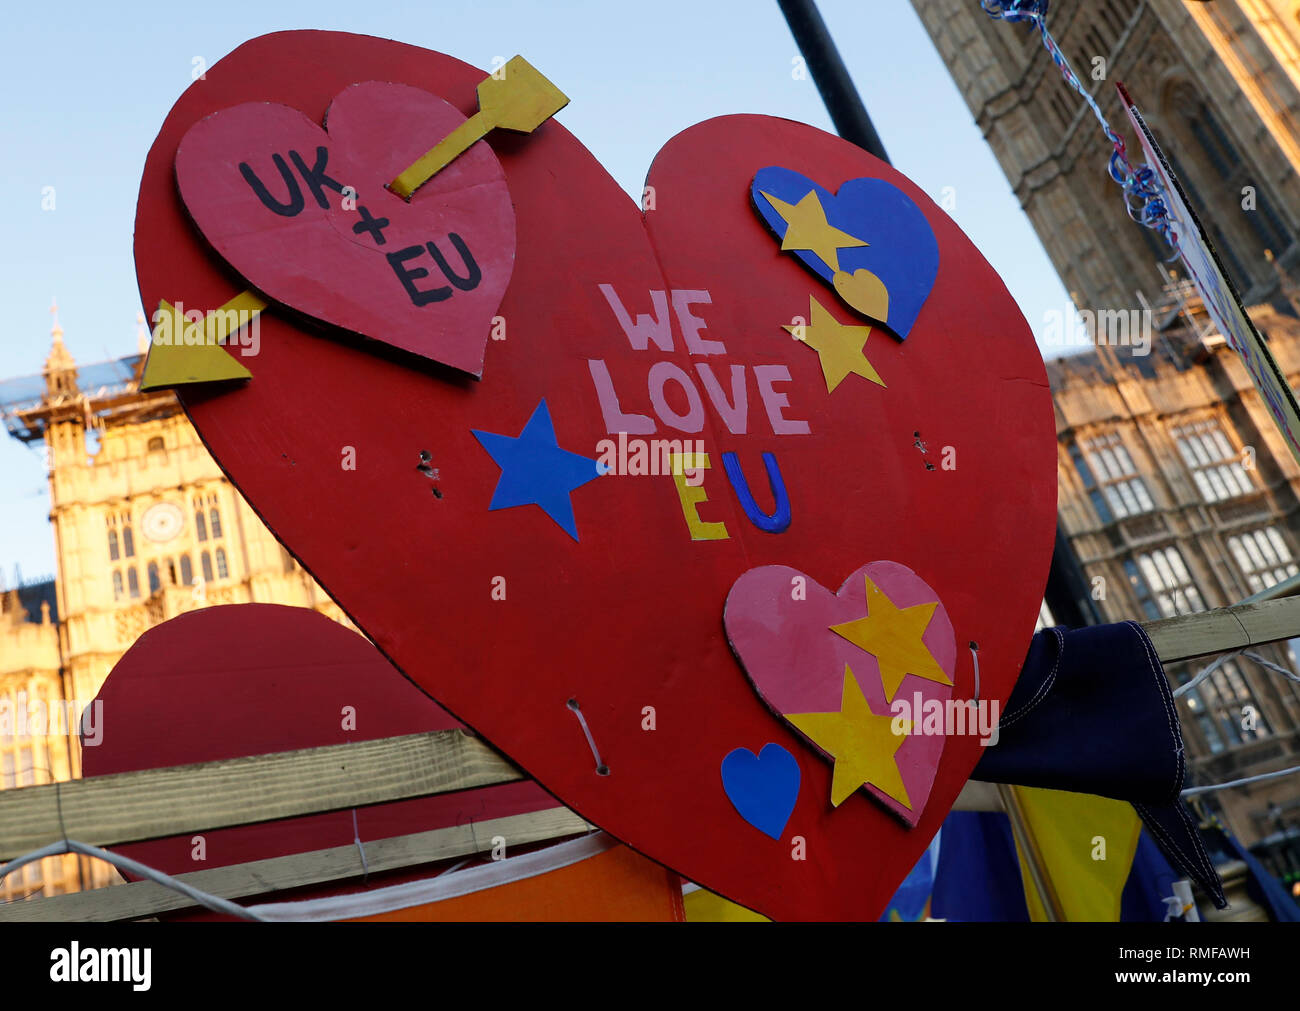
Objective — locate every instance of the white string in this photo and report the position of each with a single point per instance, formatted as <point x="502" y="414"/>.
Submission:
<point x="1183" y="689"/>
<point x="453" y="868"/>
<point x="356" y="838"/>
<point x="1195" y="790"/>
<point x="466" y="881"/>
<point x="1269" y="665"/>
<point x="601" y="768"/>
<point x="202" y="898"/>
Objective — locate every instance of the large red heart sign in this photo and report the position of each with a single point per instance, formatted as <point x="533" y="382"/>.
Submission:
<point x="672" y="401"/>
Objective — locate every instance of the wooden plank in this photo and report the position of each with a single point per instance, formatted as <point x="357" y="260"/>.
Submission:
<point x="1191" y="635"/>
<point x="260" y="877"/>
<point x="194" y="798"/>
<point x="153" y="803"/>
<point x="1270" y="620"/>
<point x="978" y="796"/>
<point x="1225" y="628"/>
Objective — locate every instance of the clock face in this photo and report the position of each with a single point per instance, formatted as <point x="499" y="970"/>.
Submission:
<point x="162" y="522"/>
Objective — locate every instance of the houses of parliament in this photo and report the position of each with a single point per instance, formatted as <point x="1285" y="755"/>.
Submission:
<point x="1175" y="491"/>
<point x="145" y="527"/>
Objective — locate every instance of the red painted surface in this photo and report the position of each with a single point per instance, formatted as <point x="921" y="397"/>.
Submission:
<point x="246" y="679"/>
<point x="362" y="261"/>
<point x="630" y="615"/>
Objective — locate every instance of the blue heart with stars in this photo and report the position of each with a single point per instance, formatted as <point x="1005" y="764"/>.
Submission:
<point x="872" y="231"/>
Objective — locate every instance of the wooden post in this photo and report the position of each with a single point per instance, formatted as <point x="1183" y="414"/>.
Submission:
<point x="1024" y="837"/>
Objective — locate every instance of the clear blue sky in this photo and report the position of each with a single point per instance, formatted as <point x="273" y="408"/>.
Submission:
<point x="86" y="85"/>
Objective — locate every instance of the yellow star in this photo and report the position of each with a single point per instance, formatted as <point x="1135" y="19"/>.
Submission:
<point x="840" y="347"/>
<point x="893" y="636"/>
<point x="861" y="744"/>
<point x="807" y="228"/>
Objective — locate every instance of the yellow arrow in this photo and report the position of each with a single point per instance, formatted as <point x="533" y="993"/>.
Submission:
<point x="517" y="97"/>
<point x="181" y="352"/>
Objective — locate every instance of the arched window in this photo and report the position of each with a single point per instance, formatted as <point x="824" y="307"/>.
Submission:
<point x="132" y="582"/>
<point x="1222" y="245"/>
<point x="1225" y="249"/>
<point x="1268" y="226"/>
<point x="155" y="584"/>
<point x="117" y="586"/>
<point x="128" y="542"/>
<point x="155" y="444"/>
<point x="207" y="567"/>
<point x="112" y="545"/>
<point x="222" y="570"/>
<point x="187" y="571"/>
<point x="1219" y="151"/>
<point x="1227" y="176"/>
<point x="201" y="525"/>
<point x="216" y="522"/>
<point x="171" y="572"/>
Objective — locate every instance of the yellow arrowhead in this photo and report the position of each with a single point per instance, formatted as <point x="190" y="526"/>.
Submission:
<point x="181" y="353"/>
<point x="520" y="99"/>
<point x="515" y="97"/>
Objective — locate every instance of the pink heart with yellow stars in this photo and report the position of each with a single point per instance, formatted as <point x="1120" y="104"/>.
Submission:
<point x="854" y="672"/>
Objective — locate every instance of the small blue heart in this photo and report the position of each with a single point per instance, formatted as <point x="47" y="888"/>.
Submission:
<point x="902" y="250"/>
<point x="763" y="788"/>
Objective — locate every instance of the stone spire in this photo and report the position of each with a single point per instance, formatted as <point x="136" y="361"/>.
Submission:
<point x="60" y="368"/>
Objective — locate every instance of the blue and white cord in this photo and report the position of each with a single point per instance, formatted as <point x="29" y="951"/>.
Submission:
<point x="1142" y="194"/>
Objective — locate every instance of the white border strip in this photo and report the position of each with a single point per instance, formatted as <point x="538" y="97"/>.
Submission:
<point x="448" y="885"/>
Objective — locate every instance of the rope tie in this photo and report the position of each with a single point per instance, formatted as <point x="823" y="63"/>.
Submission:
<point x="601" y="768"/>
<point x="1143" y="199"/>
<point x="356" y="838"/>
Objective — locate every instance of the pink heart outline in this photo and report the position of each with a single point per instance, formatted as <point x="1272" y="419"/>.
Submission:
<point x="313" y="261"/>
<point x="795" y="663"/>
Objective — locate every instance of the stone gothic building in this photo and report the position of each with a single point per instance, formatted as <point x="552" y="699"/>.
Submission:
<point x="1219" y="84"/>
<point x="1175" y="491"/>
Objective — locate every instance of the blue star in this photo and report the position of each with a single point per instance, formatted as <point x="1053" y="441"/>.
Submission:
<point x="536" y="471"/>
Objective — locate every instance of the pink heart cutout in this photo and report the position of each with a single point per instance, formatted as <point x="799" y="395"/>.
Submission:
<point x="253" y="179"/>
<point x="778" y="623"/>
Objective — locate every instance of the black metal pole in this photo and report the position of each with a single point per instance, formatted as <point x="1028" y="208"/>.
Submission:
<point x="829" y="74"/>
<point x="1067" y="593"/>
